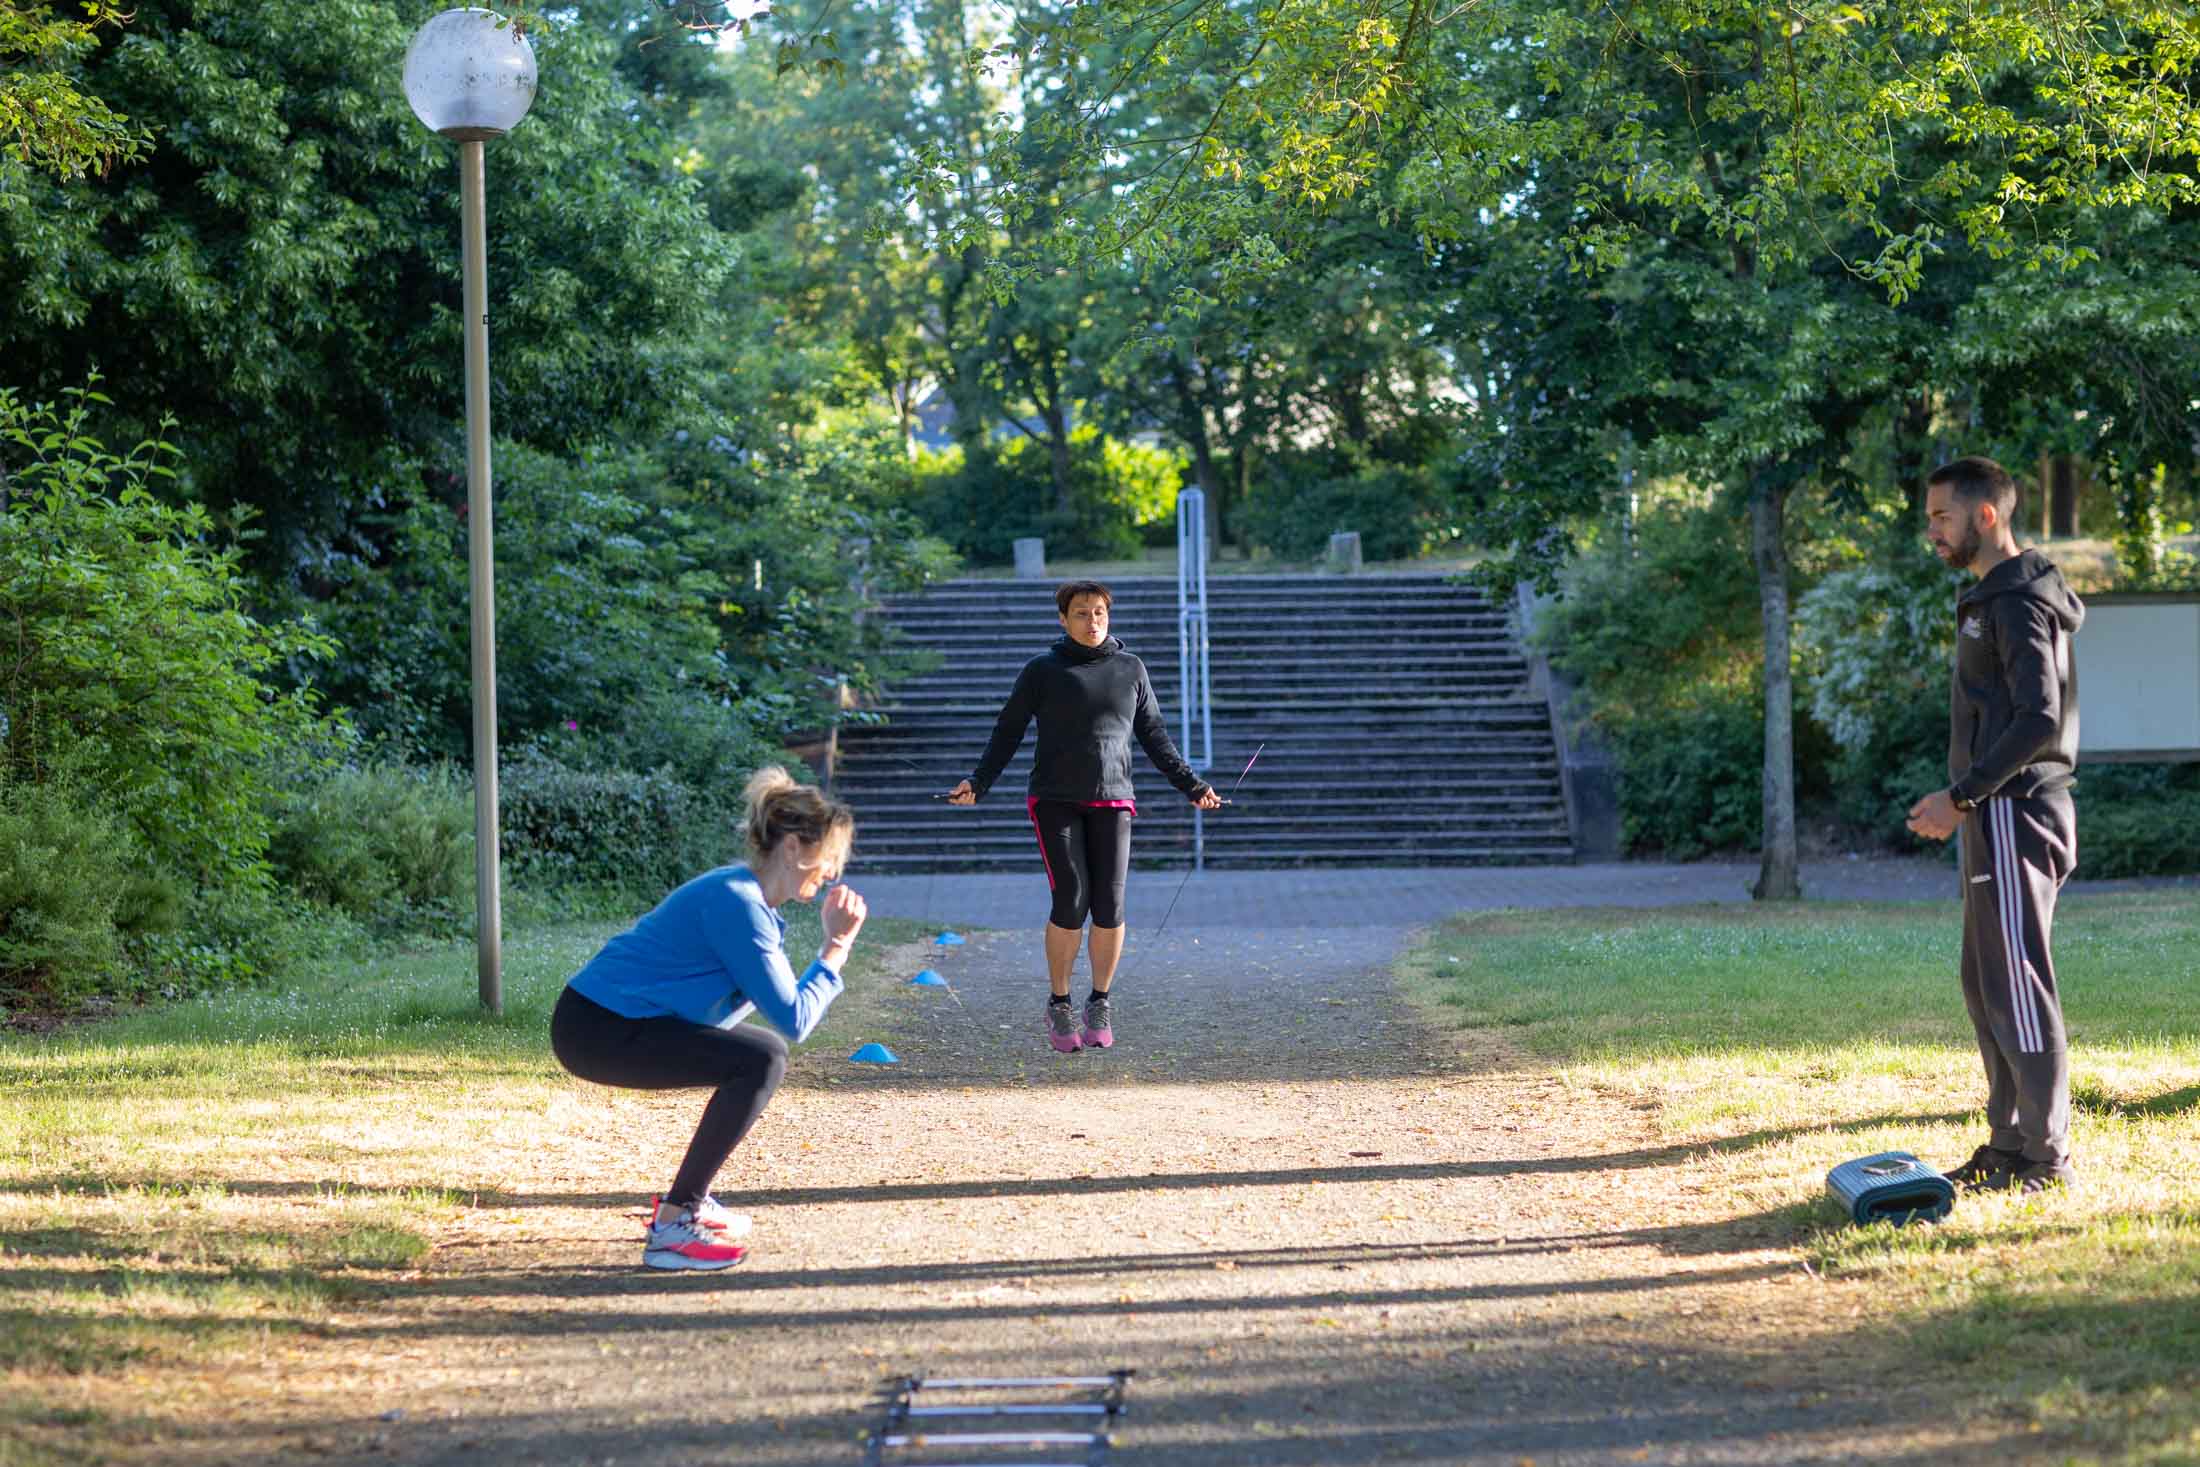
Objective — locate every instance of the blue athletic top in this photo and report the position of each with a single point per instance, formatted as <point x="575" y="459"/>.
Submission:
<point x="701" y="953"/>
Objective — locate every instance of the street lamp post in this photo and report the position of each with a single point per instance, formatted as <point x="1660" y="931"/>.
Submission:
<point x="471" y="77"/>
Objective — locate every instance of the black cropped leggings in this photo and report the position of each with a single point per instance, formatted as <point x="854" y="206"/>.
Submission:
<point x="1088" y="856"/>
<point x="743" y="1064"/>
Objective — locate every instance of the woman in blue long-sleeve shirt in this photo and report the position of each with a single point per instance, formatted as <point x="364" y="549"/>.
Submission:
<point x="660" y="1007"/>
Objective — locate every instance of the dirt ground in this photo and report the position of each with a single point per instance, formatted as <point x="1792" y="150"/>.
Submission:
<point x="1320" y="1230"/>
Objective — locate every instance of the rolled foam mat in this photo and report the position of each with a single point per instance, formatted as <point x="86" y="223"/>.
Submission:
<point x="1892" y="1186"/>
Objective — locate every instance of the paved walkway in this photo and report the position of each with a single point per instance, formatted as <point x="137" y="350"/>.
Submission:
<point x="1396" y="898"/>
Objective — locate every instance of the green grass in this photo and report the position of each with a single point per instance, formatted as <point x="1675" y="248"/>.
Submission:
<point x="182" y="1184"/>
<point x="1772" y="1043"/>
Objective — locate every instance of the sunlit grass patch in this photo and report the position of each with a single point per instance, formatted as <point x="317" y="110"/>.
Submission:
<point x="93" y="1278"/>
<point x="1772" y="1043"/>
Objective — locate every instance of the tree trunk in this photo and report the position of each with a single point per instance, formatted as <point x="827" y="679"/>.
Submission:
<point x="1352" y="409"/>
<point x="1192" y="421"/>
<point x="1057" y="421"/>
<point x="1779" y="879"/>
<point x="1913" y="440"/>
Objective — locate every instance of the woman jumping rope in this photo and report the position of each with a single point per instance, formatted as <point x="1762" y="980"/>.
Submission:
<point x="660" y="1007"/>
<point x="1091" y="698"/>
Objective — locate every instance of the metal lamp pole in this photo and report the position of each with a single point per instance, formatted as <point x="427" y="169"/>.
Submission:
<point x="471" y="77"/>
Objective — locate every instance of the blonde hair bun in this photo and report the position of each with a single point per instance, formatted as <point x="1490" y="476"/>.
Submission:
<point x="779" y="805"/>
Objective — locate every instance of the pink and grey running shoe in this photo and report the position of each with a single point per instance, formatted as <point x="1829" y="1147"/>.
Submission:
<point x="716" y="1216"/>
<point x="683" y="1242"/>
<point x="1062" y="1026"/>
<point x="1099" y="1032"/>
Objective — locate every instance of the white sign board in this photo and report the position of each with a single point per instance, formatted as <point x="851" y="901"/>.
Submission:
<point x="2139" y="677"/>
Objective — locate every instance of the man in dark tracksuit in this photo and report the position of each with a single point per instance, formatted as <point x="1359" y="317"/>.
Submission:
<point x="2012" y="748"/>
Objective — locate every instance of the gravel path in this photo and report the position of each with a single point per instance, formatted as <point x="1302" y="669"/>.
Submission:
<point x="1320" y="1231"/>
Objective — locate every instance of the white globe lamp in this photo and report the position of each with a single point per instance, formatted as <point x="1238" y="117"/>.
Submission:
<point x="470" y="75"/>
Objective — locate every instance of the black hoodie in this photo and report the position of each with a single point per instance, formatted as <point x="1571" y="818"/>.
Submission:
<point x="2013" y="727"/>
<point x="1089" y="701"/>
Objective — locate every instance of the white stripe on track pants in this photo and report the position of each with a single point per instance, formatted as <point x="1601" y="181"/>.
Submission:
<point x="2016" y="855"/>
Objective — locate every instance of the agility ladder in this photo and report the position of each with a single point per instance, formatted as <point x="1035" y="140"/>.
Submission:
<point x="904" y="1430"/>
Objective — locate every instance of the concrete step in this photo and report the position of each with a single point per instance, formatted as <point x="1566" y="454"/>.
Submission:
<point x="1250" y="807"/>
<point x="1459" y="702"/>
<point x="1378" y="663"/>
<point x="1145" y="632"/>
<point x="1281" y="835"/>
<point x="1457" y="854"/>
<point x="1377" y="749"/>
<point x="1263" y="655"/>
<point x="866" y="790"/>
<point x="1131" y="587"/>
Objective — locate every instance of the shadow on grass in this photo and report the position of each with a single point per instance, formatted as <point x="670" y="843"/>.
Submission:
<point x="2089" y="1096"/>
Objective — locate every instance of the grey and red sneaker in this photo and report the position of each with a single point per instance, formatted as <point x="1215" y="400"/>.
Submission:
<point x="716" y="1216"/>
<point x="680" y="1241"/>
<point x="1099" y="1032"/>
<point x="1062" y="1025"/>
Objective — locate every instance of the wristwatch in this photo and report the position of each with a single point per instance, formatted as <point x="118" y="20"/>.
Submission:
<point x="1962" y="805"/>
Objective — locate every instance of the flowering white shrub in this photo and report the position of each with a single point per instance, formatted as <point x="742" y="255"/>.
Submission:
<point x="1874" y="640"/>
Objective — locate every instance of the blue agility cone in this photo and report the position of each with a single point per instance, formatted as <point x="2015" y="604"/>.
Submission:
<point x="948" y="939"/>
<point x="875" y="1054"/>
<point x="928" y="979"/>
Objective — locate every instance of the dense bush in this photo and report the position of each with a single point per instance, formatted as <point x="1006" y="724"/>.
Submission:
<point x="687" y="572"/>
<point x="64" y="872"/>
<point x="2139" y="837"/>
<point x="1398" y="511"/>
<point x="682" y="732"/>
<point x="1690" y="780"/>
<point x="390" y="846"/>
<point x="2138" y="819"/>
<point x="598" y="603"/>
<point x="81" y="915"/>
<point x="133" y="660"/>
<point x="615" y="829"/>
<point x="235" y="935"/>
<point x="1121" y="496"/>
<point x="617" y="816"/>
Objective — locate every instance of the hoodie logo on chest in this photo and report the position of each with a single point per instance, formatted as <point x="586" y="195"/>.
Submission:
<point x="1973" y="627"/>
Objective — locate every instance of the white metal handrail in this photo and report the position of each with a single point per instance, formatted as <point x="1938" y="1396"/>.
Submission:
<point x="1198" y="715"/>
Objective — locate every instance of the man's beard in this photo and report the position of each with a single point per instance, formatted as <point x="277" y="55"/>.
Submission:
<point x="1965" y="549"/>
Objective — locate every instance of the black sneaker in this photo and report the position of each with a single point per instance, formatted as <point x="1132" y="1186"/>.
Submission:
<point x="1990" y="1169"/>
<point x="2035" y="1177"/>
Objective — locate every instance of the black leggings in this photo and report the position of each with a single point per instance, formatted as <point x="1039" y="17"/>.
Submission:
<point x="1088" y="856"/>
<point x="744" y="1064"/>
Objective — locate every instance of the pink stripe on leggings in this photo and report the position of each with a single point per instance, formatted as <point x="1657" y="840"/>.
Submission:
<point x="1031" y="808"/>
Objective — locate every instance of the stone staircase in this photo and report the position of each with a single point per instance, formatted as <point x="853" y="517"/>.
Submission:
<point x="1396" y="712"/>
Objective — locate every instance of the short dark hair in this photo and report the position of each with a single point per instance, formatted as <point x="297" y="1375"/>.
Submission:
<point x="1975" y="480"/>
<point x="1069" y="591"/>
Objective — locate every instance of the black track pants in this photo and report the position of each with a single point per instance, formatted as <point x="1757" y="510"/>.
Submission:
<point x="1088" y="856"/>
<point x="743" y="1064"/>
<point x="2016" y="855"/>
